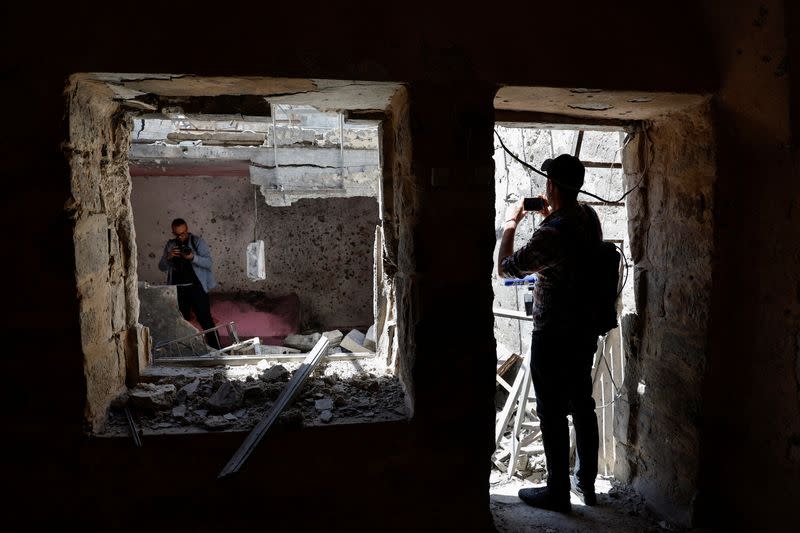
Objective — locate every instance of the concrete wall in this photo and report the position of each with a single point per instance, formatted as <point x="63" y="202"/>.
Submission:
<point x="672" y="242"/>
<point x="105" y="251"/>
<point x="321" y="249"/>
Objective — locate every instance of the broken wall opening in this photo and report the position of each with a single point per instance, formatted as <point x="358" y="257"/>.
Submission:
<point x="311" y="197"/>
<point x="102" y="109"/>
<point x="664" y="339"/>
<point x="599" y="148"/>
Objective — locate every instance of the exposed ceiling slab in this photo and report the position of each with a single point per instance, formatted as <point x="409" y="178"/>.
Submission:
<point x="593" y="103"/>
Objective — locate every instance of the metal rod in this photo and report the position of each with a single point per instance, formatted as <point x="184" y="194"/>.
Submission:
<point x="286" y="396"/>
<point x="137" y="439"/>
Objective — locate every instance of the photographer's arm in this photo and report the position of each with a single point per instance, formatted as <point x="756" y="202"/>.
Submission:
<point x="202" y="257"/>
<point x="514" y="213"/>
<point x="163" y="263"/>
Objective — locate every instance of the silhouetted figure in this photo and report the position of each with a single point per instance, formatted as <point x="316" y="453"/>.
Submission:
<point x="563" y="343"/>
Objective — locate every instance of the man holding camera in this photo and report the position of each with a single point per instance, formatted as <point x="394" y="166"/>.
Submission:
<point x="563" y="343"/>
<point x="187" y="262"/>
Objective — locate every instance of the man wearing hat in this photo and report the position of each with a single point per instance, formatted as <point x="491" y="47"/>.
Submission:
<point x="562" y="346"/>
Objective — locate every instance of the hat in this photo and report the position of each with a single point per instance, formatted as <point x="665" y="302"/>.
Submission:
<point x="565" y="169"/>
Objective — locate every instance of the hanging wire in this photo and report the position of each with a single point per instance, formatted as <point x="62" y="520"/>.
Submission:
<point x="255" y="211"/>
<point x="564" y="185"/>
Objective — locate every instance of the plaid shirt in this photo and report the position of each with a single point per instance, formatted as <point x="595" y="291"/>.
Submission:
<point x="554" y="253"/>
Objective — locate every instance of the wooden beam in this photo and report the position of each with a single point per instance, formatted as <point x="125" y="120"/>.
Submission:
<point x="285" y="398"/>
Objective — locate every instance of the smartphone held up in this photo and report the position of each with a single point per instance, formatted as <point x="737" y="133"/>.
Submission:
<point x="532" y="204"/>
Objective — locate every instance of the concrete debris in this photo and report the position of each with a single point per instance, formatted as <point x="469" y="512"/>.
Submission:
<point x="275" y="373"/>
<point x="340" y="394"/>
<point x="253" y="392"/>
<point x="369" y="339"/>
<point x="215" y="422"/>
<point x="266" y="349"/>
<point x="226" y="398"/>
<point x="303" y="343"/>
<point x="191" y="388"/>
<point x="325" y="404"/>
<point x="354" y="341"/>
<point x="154" y="397"/>
<point x="262" y="365"/>
<point x="334" y="338"/>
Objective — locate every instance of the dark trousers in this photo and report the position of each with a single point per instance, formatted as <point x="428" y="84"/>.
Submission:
<point x="193" y="297"/>
<point x="561" y="367"/>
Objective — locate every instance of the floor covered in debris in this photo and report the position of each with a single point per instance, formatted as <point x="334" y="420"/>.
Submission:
<point x="619" y="509"/>
<point x="236" y="398"/>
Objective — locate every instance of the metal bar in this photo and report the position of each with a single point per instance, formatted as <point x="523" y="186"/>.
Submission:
<point x="137" y="439"/>
<point x="236" y="360"/>
<point x="286" y="396"/>
<point x="578" y="144"/>
<point x="509" y="313"/>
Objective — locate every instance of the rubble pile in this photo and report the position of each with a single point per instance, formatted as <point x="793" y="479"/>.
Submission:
<point x="237" y="398"/>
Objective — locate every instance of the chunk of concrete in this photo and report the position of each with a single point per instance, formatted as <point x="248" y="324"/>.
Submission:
<point x="303" y="343"/>
<point x="262" y="365"/>
<point x="190" y="388"/>
<point x="354" y="341"/>
<point x="152" y="397"/>
<point x="253" y="392"/>
<point x="334" y="338"/>
<point x="227" y="398"/>
<point x="325" y="404"/>
<point x="326" y="416"/>
<point x="158" y="310"/>
<point x="369" y="339"/>
<point x="216" y="422"/>
<point x="179" y="412"/>
<point x="275" y="373"/>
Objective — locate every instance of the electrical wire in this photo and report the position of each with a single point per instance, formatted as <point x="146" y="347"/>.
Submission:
<point x="564" y="185"/>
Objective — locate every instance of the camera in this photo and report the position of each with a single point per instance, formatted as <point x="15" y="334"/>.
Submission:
<point x="186" y="249"/>
<point x="532" y="204"/>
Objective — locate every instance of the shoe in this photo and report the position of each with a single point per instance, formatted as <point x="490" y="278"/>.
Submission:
<point x="542" y="498"/>
<point x="586" y="494"/>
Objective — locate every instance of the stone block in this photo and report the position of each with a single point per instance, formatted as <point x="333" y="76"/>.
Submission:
<point x="227" y="398"/>
<point x="153" y="397"/>
<point x="354" y="341"/>
<point x="334" y="338"/>
<point x="303" y="343"/>
<point x="91" y="245"/>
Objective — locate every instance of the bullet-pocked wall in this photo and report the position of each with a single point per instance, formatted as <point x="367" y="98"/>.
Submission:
<point x="318" y="248"/>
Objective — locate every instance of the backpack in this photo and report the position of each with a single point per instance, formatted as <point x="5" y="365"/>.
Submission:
<point x="603" y="287"/>
<point x="598" y="285"/>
